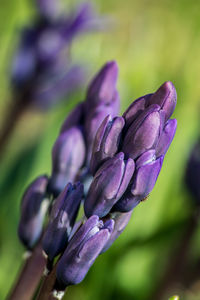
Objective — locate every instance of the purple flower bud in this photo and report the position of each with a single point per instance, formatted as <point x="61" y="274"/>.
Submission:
<point x="68" y="156"/>
<point x="75" y="118"/>
<point x="94" y="119"/>
<point x="166" y="137"/>
<point x="82" y="250"/>
<point x="103" y="87"/>
<point x="62" y="218"/>
<point x="165" y="97"/>
<point x="120" y="222"/>
<point x="33" y="209"/>
<point x="144" y="179"/>
<point x="106" y="141"/>
<point x="144" y="133"/>
<point x="109" y="184"/>
<point x="135" y="109"/>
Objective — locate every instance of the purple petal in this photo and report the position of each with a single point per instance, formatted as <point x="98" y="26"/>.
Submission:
<point x="166" y="97"/>
<point x="62" y="219"/>
<point x="67" y="159"/>
<point x="120" y="222"/>
<point x="82" y="251"/>
<point x="106" y="141"/>
<point x="135" y="109"/>
<point x="143" y="182"/>
<point x="108" y="185"/>
<point x="166" y="137"/>
<point x="92" y="122"/>
<point x="103" y="86"/>
<point x="33" y="209"/>
<point x="144" y="133"/>
<point x="145" y="178"/>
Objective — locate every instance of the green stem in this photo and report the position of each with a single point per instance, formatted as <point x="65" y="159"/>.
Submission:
<point x="29" y="277"/>
<point x="48" y="290"/>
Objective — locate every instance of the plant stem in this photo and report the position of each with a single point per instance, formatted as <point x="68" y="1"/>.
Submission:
<point x="48" y="290"/>
<point x="29" y="277"/>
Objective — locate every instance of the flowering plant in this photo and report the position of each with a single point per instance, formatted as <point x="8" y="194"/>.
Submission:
<point x="106" y="163"/>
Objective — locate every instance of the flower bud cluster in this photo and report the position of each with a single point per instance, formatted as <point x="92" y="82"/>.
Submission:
<point x="125" y="156"/>
<point x="69" y="156"/>
<point x="126" y="159"/>
<point x="141" y="137"/>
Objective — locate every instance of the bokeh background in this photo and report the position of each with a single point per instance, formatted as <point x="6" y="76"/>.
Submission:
<point x="152" y="41"/>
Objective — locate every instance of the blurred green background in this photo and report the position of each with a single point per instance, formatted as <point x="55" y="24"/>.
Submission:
<point x="152" y="41"/>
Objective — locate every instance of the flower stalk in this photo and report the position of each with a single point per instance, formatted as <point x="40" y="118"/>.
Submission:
<point x="29" y="276"/>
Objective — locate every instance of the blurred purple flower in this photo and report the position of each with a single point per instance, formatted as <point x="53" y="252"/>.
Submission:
<point x="42" y="68"/>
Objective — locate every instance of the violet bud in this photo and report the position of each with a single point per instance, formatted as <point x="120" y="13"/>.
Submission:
<point x="144" y="133"/>
<point x="34" y="206"/>
<point x="108" y="185"/>
<point x="102" y="89"/>
<point x="166" y="138"/>
<point x="106" y="142"/>
<point x="68" y="156"/>
<point x="135" y="109"/>
<point x="62" y="218"/>
<point x="165" y="97"/>
<point x="93" y="121"/>
<point x="120" y="222"/>
<point x="142" y="183"/>
<point x="82" y="250"/>
<point x="192" y="175"/>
